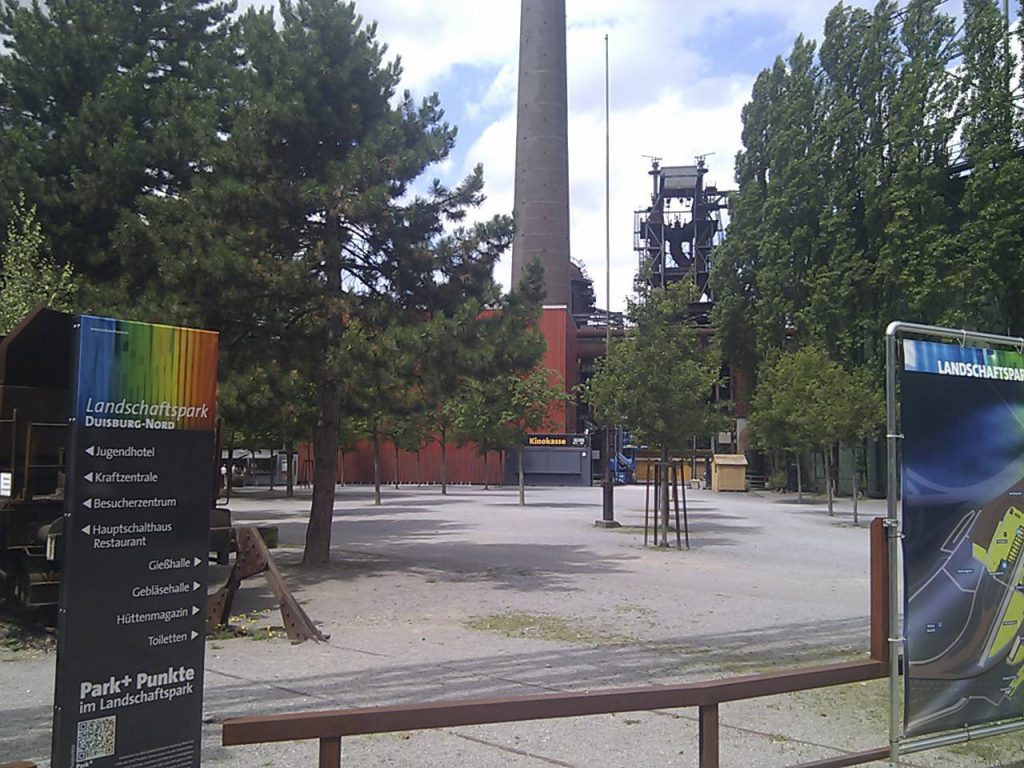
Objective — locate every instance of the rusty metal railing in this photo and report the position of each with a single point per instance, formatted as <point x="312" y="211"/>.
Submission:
<point x="330" y="726"/>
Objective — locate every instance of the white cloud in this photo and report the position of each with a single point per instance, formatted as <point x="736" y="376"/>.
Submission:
<point x="433" y="37"/>
<point x="671" y="96"/>
<point x="492" y="148"/>
<point x="652" y="114"/>
<point x="500" y="94"/>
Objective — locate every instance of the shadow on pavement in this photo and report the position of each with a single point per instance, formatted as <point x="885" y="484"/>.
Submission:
<point x="523" y="567"/>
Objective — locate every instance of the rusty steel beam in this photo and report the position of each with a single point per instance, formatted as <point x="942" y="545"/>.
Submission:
<point x="707" y="738"/>
<point x="410" y="717"/>
<point x="330" y="753"/>
<point x="879" y="591"/>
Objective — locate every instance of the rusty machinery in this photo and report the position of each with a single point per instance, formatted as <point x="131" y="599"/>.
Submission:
<point x="675" y="235"/>
<point x="35" y="381"/>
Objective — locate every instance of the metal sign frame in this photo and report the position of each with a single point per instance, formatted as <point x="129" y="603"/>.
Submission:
<point x="135" y="543"/>
<point x="898" y="743"/>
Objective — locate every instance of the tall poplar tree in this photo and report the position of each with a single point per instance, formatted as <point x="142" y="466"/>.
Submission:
<point x="991" y="272"/>
<point x="737" y="262"/>
<point x="913" y="274"/>
<point x="838" y="300"/>
<point x="793" y="200"/>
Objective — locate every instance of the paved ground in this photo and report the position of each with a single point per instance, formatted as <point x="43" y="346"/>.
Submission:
<point x="471" y="595"/>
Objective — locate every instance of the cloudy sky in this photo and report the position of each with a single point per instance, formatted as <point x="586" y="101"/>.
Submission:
<point x="681" y="71"/>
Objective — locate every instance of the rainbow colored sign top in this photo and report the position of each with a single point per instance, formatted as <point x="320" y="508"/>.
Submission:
<point x="142" y="376"/>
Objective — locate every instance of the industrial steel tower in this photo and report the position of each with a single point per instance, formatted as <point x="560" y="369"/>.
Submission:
<point x="542" y="149"/>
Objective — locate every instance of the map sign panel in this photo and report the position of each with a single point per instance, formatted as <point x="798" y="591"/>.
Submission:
<point x="962" y="415"/>
<point x="136" y="539"/>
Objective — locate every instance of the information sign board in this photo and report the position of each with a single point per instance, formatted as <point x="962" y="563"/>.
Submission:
<point x="559" y="440"/>
<point x="136" y="540"/>
<point x="962" y="418"/>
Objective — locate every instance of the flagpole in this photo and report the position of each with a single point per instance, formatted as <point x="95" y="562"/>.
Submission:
<point x="607" y="208"/>
<point x="609" y="452"/>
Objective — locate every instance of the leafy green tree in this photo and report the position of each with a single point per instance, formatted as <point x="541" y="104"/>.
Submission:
<point x="658" y="381"/>
<point x="269" y="401"/>
<point x="381" y="354"/>
<point x="860" y="409"/>
<point x="496" y="414"/>
<point x="804" y="400"/>
<point x="497" y="393"/>
<point x="408" y="431"/>
<point x="28" y="276"/>
<point x="450" y="347"/>
<point x="844" y="407"/>
<point x="481" y="416"/>
<point x="531" y="399"/>
<point x="782" y="417"/>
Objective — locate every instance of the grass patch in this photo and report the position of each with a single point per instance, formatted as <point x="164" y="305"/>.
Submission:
<point x="995" y="750"/>
<point x="738" y="665"/>
<point x="247" y="625"/>
<point x="545" y="627"/>
<point x="677" y="649"/>
<point x="635" y="610"/>
<point x="29" y="639"/>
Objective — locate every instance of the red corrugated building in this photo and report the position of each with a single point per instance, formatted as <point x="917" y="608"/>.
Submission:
<point x="465" y="464"/>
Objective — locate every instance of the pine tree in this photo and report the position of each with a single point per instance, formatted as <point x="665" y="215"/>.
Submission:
<point x="315" y="186"/>
<point x="108" y="105"/>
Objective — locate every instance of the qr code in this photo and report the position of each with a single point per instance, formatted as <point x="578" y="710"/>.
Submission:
<point x="95" y="738"/>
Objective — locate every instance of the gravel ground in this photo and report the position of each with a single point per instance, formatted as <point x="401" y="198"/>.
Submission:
<point x="469" y="595"/>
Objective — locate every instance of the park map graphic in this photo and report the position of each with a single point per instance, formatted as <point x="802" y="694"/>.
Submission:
<point x="962" y="415"/>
